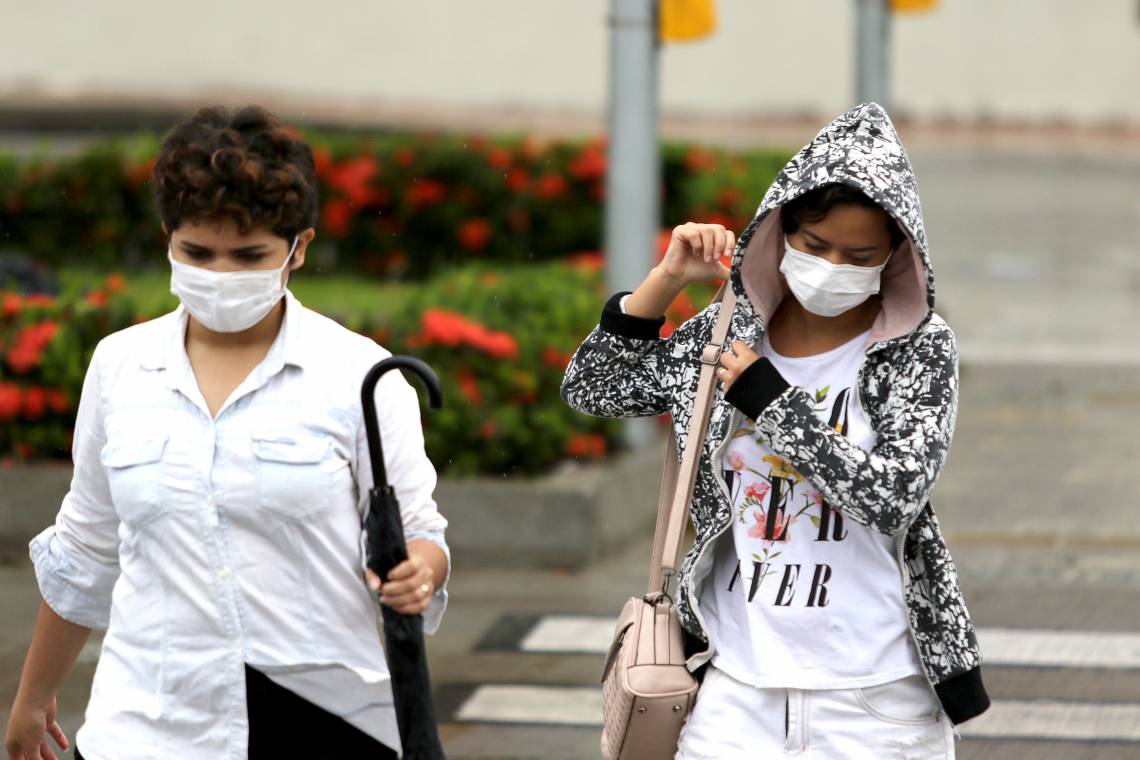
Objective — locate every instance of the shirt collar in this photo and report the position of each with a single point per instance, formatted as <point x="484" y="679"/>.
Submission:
<point x="287" y="348"/>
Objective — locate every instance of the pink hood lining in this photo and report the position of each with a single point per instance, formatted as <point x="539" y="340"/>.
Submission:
<point x="905" y="302"/>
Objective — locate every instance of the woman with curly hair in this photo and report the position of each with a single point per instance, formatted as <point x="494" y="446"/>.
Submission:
<point x="213" y="525"/>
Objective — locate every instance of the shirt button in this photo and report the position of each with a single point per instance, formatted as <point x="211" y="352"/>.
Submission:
<point x="224" y="573"/>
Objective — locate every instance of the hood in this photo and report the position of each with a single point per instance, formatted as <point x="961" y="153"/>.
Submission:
<point x="860" y="148"/>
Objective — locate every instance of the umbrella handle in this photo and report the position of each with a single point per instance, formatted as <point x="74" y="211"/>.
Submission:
<point x="368" y="399"/>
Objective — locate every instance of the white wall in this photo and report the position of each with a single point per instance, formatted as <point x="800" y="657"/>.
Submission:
<point x="1009" y="59"/>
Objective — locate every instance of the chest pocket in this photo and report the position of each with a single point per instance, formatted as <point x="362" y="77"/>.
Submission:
<point x="134" y="468"/>
<point x="293" y="472"/>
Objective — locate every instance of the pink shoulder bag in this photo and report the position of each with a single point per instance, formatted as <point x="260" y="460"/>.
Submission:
<point x="647" y="692"/>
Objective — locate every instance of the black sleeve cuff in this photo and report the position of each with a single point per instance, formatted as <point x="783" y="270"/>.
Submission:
<point x="626" y="325"/>
<point x="759" y="385"/>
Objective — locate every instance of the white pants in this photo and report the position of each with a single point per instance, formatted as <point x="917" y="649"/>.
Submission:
<point x="899" y="720"/>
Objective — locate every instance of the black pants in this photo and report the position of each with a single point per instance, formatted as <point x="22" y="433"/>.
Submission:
<point x="282" y="724"/>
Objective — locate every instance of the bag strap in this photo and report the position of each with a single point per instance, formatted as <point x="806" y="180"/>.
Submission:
<point x="678" y="478"/>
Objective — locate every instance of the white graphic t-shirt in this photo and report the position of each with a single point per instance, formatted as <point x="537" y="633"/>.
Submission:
<point x="802" y="596"/>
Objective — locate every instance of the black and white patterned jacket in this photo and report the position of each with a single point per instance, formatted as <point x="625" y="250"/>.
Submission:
<point x="908" y="386"/>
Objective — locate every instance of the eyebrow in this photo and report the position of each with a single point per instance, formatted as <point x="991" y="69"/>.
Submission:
<point x="258" y="248"/>
<point x="863" y="249"/>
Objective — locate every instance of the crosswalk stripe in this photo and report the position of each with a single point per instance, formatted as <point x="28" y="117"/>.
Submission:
<point x="572" y="706"/>
<point x="582" y="634"/>
<point x="1006" y="719"/>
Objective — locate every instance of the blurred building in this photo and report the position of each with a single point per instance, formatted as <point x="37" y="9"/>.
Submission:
<point x="1049" y="61"/>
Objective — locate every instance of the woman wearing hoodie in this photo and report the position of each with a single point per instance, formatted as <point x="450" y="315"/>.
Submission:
<point x="819" y="588"/>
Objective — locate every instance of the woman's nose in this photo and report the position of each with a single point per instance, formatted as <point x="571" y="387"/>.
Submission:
<point x="833" y="256"/>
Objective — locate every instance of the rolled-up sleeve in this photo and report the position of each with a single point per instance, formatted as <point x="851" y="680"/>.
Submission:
<point x="77" y="559"/>
<point x="410" y="473"/>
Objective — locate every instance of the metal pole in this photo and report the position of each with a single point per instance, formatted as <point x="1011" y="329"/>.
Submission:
<point x="872" y="48"/>
<point x="633" y="180"/>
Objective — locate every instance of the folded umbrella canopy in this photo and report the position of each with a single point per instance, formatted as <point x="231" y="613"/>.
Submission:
<point x="403" y="634"/>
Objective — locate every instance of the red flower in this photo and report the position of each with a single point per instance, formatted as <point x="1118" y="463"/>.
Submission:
<point x="586" y="445"/>
<point x="446" y="328"/>
<point x="729" y="197"/>
<point x="517" y="180"/>
<point x="426" y="192"/>
<point x="589" y="261"/>
<point x="700" y="159"/>
<point x="35" y="403"/>
<point x="139" y="173"/>
<point x="403" y="156"/>
<point x="757" y="490"/>
<point x="11" y="401"/>
<point x="40" y="300"/>
<point x="58" y="401"/>
<point x="322" y="162"/>
<point x="354" y="179"/>
<point x="499" y="158"/>
<point x="554" y="358"/>
<point x="499" y="345"/>
<point x="470" y="387"/>
<point x="683" y="307"/>
<point x="336" y="217"/>
<point x="30" y="343"/>
<point x="474" y="234"/>
<point x="12" y="304"/>
<point x="114" y="283"/>
<point x="488" y="430"/>
<point x="590" y="164"/>
<point x="97" y="298"/>
<point x="550" y="186"/>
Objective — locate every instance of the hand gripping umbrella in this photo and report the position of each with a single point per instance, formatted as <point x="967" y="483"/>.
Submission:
<point x="403" y="634"/>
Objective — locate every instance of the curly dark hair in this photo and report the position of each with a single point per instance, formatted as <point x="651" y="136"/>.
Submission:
<point x="244" y="166"/>
<point x="815" y="205"/>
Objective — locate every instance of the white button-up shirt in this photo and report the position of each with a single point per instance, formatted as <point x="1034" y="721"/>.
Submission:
<point x="203" y="544"/>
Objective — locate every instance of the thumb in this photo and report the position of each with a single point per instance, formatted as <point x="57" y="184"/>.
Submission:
<point x="723" y="272"/>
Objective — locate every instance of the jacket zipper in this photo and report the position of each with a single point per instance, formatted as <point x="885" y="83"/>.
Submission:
<point x="716" y="459"/>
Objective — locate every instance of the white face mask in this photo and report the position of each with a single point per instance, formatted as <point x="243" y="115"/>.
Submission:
<point x="827" y="289"/>
<point x="227" y="301"/>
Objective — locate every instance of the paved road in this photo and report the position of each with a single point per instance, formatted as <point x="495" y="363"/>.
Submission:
<point x="1039" y="272"/>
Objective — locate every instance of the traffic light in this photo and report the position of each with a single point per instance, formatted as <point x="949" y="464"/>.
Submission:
<point x="682" y="20"/>
<point x="915" y="6"/>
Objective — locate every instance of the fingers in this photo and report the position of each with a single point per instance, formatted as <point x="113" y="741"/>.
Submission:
<point x="710" y="251"/>
<point x="46" y="752"/>
<point x="56" y="732"/>
<point x="409" y="587"/>
<point x="406" y="569"/>
<point x="372" y="579"/>
<point x="409" y="600"/>
<point x="708" y="242"/>
<point x="734" y="361"/>
<point x="690" y="235"/>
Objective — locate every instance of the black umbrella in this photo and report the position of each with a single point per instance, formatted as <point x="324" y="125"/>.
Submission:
<point x="403" y="634"/>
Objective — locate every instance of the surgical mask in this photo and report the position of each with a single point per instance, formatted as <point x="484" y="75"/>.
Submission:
<point x="827" y="289"/>
<point x="227" y="301"/>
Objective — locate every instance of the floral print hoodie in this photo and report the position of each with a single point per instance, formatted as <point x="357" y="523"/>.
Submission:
<point x="908" y="386"/>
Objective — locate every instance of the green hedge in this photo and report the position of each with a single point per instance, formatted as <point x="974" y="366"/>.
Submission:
<point x="498" y="336"/>
<point x="393" y="206"/>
